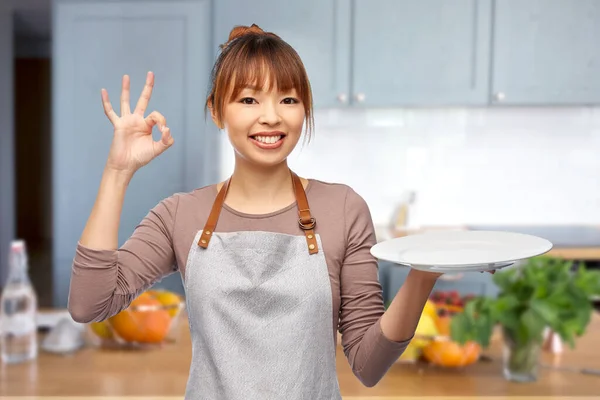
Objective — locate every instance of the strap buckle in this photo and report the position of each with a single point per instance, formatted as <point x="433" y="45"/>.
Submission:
<point x="308" y="226"/>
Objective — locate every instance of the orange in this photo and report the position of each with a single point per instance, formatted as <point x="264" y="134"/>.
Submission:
<point x="447" y="353"/>
<point x="472" y="352"/>
<point x="149" y="324"/>
<point x="442" y="324"/>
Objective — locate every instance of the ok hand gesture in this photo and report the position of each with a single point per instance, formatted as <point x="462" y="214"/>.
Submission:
<point x="132" y="146"/>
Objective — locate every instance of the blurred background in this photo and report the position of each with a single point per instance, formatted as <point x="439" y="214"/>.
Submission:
<point x="462" y="114"/>
<point x="473" y="113"/>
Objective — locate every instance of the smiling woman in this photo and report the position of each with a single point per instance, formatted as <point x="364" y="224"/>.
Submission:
<point x="273" y="265"/>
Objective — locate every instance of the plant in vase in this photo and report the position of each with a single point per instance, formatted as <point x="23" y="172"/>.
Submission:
<point x="543" y="292"/>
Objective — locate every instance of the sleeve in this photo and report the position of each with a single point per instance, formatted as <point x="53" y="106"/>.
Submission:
<point x="104" y="282"/>
<point x="368" y="351"/>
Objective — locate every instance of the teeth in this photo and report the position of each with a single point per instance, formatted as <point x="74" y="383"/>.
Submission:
<point x="267" y="139"/>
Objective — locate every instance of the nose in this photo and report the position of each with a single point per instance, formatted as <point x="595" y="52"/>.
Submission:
<point x="269" y="114"/>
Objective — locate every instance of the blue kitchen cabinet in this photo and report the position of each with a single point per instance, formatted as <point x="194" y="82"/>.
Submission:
<point x="94" y="45"/>
<point x="546" y="52"/>
<point x="319" y="30"/>
<point x="383" y="53"/>
<point x="399" y="53"/>
<point x="420" y="53"/>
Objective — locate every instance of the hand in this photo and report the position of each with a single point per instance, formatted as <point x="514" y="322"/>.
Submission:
<point x="436" y="275"/>
<point x="132" y="146"/>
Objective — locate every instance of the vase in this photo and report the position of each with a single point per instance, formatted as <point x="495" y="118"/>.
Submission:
<point x="520" y="360"/>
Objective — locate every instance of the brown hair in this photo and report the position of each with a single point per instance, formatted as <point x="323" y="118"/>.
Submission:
<point x="247" y="59"/>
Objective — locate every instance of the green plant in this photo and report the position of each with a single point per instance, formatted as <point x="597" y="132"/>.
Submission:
<point x="542" y="292"/>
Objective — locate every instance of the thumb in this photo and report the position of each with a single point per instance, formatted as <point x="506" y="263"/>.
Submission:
<point x="166" y="140"/>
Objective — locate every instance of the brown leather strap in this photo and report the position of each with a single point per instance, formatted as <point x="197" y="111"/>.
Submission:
<point x="213" y="217"/>
<point x="306" y="221"/>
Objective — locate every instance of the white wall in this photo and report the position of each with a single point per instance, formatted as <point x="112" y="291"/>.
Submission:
<point x="511" y="165"/>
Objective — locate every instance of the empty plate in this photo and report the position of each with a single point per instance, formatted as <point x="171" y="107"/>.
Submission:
<point x="460" y="251"/>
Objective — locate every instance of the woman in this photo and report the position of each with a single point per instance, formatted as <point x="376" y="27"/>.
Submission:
<point x="273" y="264"/>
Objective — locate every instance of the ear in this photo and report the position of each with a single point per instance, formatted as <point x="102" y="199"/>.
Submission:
<point x="213" y="115"/>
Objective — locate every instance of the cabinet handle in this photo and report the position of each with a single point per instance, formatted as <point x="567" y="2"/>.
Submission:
<point x="342" y="98"/>
<point x="359" y="97"/>
<point x="499" y="96"/>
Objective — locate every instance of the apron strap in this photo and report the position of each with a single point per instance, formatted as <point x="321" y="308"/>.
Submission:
<point x="213" y="217"/>
<point x="306" y="221"/>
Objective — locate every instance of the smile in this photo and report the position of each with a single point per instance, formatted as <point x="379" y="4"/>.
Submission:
<point x="271" y="141"/>
<point x="268" y="139"/>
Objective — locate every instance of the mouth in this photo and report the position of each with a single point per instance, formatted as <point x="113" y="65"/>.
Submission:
<point x="268" y="140"/>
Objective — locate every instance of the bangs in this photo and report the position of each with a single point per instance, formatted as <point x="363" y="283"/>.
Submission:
<point x="260" y="64"/>
<point x="264" y="73"/>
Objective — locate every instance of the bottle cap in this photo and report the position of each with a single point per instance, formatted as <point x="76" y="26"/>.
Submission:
<point x="18" y="244"/>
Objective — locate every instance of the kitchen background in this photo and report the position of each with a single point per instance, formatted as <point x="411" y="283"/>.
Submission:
<point x="489" y="111"/>
<point x="466" y="166"/>
<point x="471" y="113"/>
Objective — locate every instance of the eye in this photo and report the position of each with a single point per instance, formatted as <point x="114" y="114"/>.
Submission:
<point x="247" y="100"/>
<point x="290" y="100"/>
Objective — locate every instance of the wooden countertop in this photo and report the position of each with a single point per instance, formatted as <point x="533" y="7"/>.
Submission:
<point x="162" y="374"/>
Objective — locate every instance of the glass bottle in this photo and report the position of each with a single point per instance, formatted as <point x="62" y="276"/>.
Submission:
<point x="18" y="310"/>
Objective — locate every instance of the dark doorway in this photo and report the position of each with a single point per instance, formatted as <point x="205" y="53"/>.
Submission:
<point x="33" y="164"/>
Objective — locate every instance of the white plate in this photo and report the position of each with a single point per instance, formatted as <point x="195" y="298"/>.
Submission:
<point x="460" y="251"/>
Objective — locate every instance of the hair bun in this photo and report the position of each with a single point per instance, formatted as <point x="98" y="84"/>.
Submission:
<point x="242" y="30"/>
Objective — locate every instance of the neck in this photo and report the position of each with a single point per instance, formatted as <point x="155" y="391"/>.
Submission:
<point x="261" y="184"/>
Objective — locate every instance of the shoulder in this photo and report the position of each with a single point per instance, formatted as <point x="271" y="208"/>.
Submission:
<point x="196" y="199"/>
<point x="199" y="196"/>
<point x="346" y="209"/>
<point x="339" y="196"/>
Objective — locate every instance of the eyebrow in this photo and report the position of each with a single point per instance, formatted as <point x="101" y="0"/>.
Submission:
<point x="260" y="89"/>
<point x="252" y="88"/>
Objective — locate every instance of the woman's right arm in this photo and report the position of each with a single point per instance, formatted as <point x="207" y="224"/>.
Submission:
<point x="101" y="229"/>
<point x="104" y="278"/>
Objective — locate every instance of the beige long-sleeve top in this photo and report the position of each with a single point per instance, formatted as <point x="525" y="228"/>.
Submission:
<point x="104" y="282"/>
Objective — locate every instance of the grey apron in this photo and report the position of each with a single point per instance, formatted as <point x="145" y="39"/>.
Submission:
<point x="260" y="312"/>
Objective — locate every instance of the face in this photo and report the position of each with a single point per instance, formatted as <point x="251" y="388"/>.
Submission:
<point x="264" y="126"/>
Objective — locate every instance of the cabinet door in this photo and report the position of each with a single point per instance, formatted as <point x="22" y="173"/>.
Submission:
<point x="427" y="52"/>
<point x="319" y="30"/>
<point x="94" y="45"/>
<point x="546" y="52"/>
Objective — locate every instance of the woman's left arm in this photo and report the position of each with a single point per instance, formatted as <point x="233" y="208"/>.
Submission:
<point x="400" y="320"/>
<point x="373" y="338"/>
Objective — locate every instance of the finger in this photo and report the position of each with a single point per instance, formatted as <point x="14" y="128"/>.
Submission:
<point x="142" y="103"/>
<point x="125" y="85"/>
<point x="166" y="137"/>
<point x="166" y="141"/>
<point x="108" y="110"/>
<point x="156" y="118"/>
